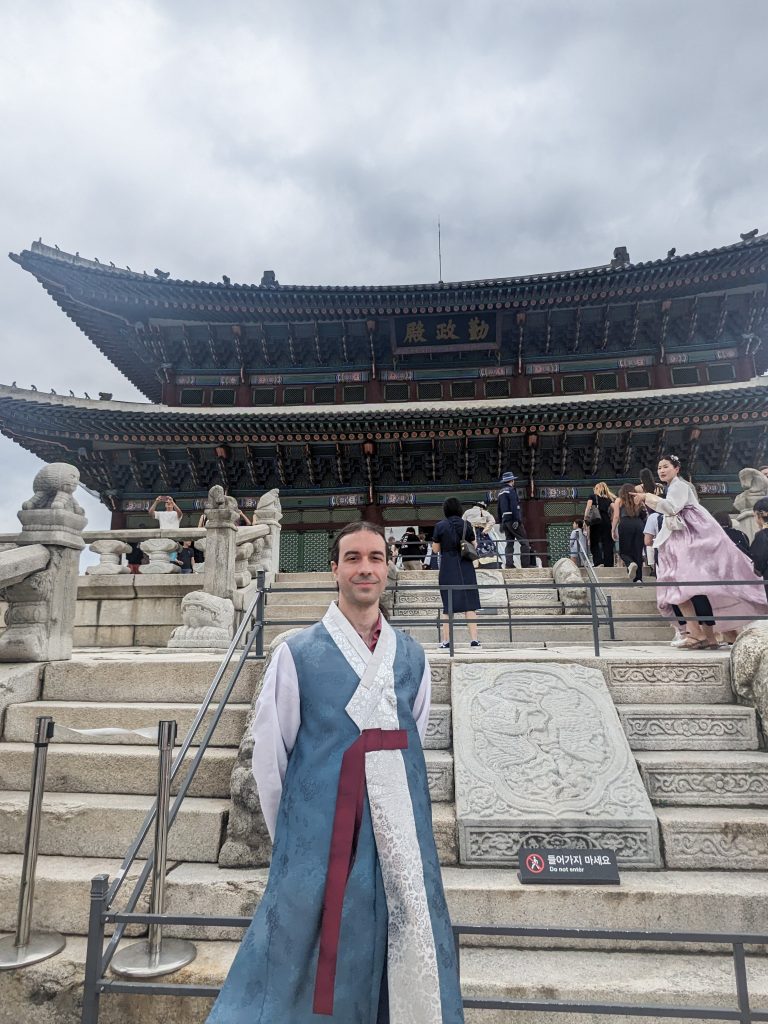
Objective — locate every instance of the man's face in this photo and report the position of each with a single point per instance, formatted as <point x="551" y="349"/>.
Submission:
<point x="169" y="505"/>
<point x="361" y="571"/>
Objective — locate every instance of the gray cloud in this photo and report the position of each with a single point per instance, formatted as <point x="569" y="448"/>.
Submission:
<point x="322" y="140"/>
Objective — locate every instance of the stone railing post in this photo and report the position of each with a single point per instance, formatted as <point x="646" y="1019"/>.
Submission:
<point x="268" y="512"/>
<point x="208" y="615"/>
<point x="110" y="552"/>
<point x="221" y="519"/>
<point x="41" y="612"/>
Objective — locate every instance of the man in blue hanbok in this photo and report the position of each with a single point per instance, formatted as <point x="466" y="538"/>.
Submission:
<point x="353" y="924"/>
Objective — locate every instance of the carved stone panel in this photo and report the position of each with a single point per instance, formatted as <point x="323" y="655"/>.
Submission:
<point x="689" y="727"/>
<point x="541" y="759"/>
<point x="673" y="682"/>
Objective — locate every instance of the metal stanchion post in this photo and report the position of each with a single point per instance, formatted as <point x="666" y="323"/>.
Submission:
<point x="27" y="947"/>
<point x="155" y="955"/>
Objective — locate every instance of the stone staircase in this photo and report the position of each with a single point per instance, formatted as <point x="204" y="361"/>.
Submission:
<point x="697" y="751"/>
<point x="497" y="618"/>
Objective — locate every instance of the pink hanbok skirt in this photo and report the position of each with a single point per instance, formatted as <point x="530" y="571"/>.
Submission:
<point x="702" y="551"/>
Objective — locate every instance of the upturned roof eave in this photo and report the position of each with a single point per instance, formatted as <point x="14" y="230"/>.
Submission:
<point x="338" y="412"/>
<point x="55" y="255"/>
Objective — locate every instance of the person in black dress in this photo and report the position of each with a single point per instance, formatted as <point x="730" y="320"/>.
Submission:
<point x="600" y="534"/>
<point x="455" y="570"/>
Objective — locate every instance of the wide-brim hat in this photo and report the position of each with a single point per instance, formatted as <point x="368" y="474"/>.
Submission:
<point x="481" y="504"/>
<point x="506" y="477"/>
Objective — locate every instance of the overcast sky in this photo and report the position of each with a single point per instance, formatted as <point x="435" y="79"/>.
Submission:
<point x="323" y="138"/>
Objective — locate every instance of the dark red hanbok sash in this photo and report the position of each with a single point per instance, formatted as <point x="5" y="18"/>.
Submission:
<point x="346" y="830"/>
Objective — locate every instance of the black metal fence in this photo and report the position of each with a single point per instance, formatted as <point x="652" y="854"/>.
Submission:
<point x="97" y="983"/>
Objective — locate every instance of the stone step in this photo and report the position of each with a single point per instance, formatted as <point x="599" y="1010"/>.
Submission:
<point x="680" y="677"/>
<point x="112" y="768"/>
<point x="439" y="774"/>
<point x="645" y="901"/>
<point x="560" y="631"/>
<point x="719" y="778"/>
<point x="438" y="734"/>
<point x="446" y="832"/>
<point x="20" y="721"/>
<point x="689" y="726"/>
<point x="719" y="838"/>
<point x="96" y="825"/>
<point x="62" y="891"/>
<point x="652" y="979"/>
<point x="142" y="675"/>
<point x="649" y="979"/>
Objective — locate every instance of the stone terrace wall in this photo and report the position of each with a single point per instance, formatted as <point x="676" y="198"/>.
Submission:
<point x="130" y="611"/>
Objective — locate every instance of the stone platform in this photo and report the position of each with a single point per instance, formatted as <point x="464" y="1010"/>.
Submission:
<point x="697" y="754"/>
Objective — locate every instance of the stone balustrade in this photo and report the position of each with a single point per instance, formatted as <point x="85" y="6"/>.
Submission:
<point x="47" y="606"/>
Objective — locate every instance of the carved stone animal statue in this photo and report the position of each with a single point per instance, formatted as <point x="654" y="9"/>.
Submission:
<point x="54" y="487"/>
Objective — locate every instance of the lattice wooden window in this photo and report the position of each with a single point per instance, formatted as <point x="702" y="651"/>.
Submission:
<point x="574" y="384"/>
<point x="396" y="392"/>
<point x="605" y="381"/>
<point x="223" y="396"/>
<point x="542" y="386"/>
<point x="293" y="396"/>
<point x="429" y="390"/>
<point x="721" y="373"/>
<point x="685" y="376"/>
<point x="463" y="389"/>
<point x="497" y="389"/>
<point x="638" y="379"/>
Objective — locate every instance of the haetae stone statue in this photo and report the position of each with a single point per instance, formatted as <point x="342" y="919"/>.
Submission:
<point x="575" y="601"/>
<point x="208" y="621"/>
<point x="755" y="486"/>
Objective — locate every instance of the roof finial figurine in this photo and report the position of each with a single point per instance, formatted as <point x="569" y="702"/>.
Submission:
<point x="225" y="279"/>
<point x="671" y="253"/>
<point x="749" y="235"/>
<point x="162" y="274"/>
<point x="13" y="384"/>
<point x="111" y="263"/>
<point x="52" y="391"/>
<point x="32" y="387"/>
<point x="56" y="247"/>
<point x="72" y="393"/>
<point x="86" y="394"/>
<point x="95" y="259"/>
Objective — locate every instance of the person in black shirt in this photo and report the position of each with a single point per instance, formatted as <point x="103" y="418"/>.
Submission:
<point x="739" y="538"/>
<point x="412" y="551"/>
<point x="600" y="533"/>
<point x="758" y="549"/>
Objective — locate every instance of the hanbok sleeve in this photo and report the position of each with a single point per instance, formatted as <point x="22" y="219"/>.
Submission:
<point x="678" y="496"/>
<point x="423" y="701"/>
<point x="274" y="730"/>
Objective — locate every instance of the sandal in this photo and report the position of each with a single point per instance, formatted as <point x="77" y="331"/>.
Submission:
<point x="692" y="644"/>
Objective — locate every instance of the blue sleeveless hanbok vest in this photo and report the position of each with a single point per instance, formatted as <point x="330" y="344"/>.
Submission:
<point x="396" y="957"/>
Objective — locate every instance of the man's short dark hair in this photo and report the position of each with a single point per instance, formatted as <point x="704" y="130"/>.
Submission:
<point x="358" y="527"/>
<point x="452" y="507"/>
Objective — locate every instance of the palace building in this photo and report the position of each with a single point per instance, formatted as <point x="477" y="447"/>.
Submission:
<point x="382" y="401"/>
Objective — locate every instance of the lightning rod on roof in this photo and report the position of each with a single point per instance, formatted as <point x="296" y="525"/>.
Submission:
<point x="439" y="254"/>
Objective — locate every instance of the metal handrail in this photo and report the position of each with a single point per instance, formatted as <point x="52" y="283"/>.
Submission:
<point x="255" y="636"/>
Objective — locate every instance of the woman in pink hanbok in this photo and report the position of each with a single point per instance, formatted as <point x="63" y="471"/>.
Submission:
<point x="691" y="546"/>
